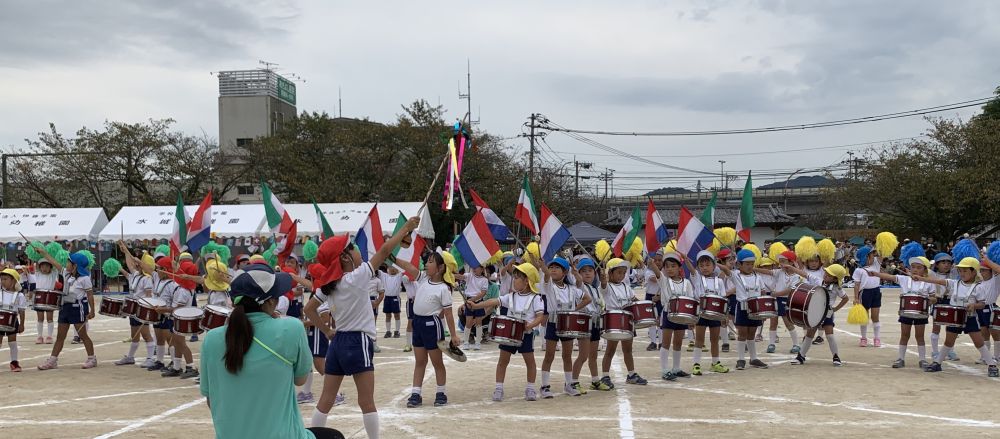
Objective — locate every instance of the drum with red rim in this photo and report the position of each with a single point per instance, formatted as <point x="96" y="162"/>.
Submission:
<point x="130" y="307"/>
<point x="187" y="320"/>
<point x="617" y="325"/>
<point x="147" y="309"/>
<point x="643" y="313"/>
<point x="111" y="306"/>
<point x="8" y="320"/>
<point x="807" y="305"/>
<point x="995" y="321"/>
<point x="682" y="310"/>
<point x="47" y="300"/>
<point x="914" y="306"/>
<point x="507" y="331"/>
<point x="572" y="324"/>
<point x="950" y="315"/>
<point x="762" y="307"/>
<point x="714" y="307"/>
<point x="215" y="316"/>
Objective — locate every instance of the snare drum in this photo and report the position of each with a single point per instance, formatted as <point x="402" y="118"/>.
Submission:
<point x="643" y="313"/>
<point x="8" y="320"/>
<point x="47" y="300"/>
<point x="215" y="316"/>
<point x="807" y="305"/>
<point x="187" y="320"/>
<point x="914" y="306"/>
<point x="111" y="306"/>
<point x="950" y="315"/>
<point x="146" y="313"/>
<point x="995" y="320"/>
<point x="572" y="324"/>
<point x="130" y="307"/>
<point x="507" y="331"/>
<point x="617" y="325"/>
<point x="762" y="307"/>
<point x="714" y="307"/>
<point x="682" y="310"/>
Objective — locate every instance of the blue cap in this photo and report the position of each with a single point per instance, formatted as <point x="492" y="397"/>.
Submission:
<point x="942" y="257"/>
<point x="586" y="262"/>
<point x="81" y="262"/>
<point x="862" y="255"/>
<point x="260" y="283"/>
<point x="745" y="256"/>
<point x="562" y="262"/>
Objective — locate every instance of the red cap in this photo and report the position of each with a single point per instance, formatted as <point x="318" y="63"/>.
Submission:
<point x="724" y="253"/>
<point x="788" y="254"/>
<point x="290" y="294"/>
<point x="329" y="255"/>
<point x="188" y="268"/>
<point x="316" y="271"/>
<point x="165" y="264"/>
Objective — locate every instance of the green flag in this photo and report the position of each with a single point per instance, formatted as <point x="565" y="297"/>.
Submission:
<point x="626" y="236"/>
<point x="745" y="221"/>
<point x="327" y="230"/>
<point x="459" y="262"/>
<point x="708" y="215"/>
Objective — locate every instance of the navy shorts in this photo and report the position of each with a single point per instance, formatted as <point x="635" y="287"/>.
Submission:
<point x="659" y="304"/>
<point x="165" y="324"/>
<point x="709" y="323"/>
<point x="527" y="345"/>
<point x="133" y="322"/>
<point x="550" y="333"/>
<point x="294" y="309"/>
<point x="665" y="323"/>
<point x="782" y="306"/>
<point x="409" y="309"/>
<point x="74" y="313"/>
<point x="828" y="322"/>
<point x="474" y="312"/>
<point x="914" y="322"/>
<point x="390" y="305"/>
<point x="427" y="332"/>
<point x="318" y="343"/>
<point x="743" y="319"/>
<point x="349" y="353"/>
<point x="595" y="333"/>
<point x="871" y="298"/>
<point x="985" y="315"/>
<point x="971" y="326"/>
<point x="733" y="304"/>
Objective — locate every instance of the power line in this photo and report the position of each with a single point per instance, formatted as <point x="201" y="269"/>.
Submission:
<point x="546" y="124"/>
<point x="772" y="151"/>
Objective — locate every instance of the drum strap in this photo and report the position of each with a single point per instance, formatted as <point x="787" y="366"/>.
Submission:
<point x="268" y="348"/>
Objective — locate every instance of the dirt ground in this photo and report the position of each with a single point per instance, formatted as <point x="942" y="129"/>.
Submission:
<point x="865" y="397"/>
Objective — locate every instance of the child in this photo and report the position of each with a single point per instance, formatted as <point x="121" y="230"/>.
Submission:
<point x="344" y="287"/>
<point x="523" y="303"/>
<point x="318" y="344"/>
<point x="991" y="287"/>
<point x="45" y="279"/>
<point x="833" y="282"/>
<point x="392" y="283"/>
<point x="966" y="293"/>
<point x="585" y="273"/>
<point x="180" y="297"/>
<point x="476" y="287"/>
<point x="707" y="281"/>
<point x="12" y="299"/>
<point x="919" y="266"/>
<point x="140" y="286"/>
<point x="943" y="269"/>
<point x="868" y="292"/>
<point x="814" y="275"/>
<point x="559" y="297"/>
<point x="786" y="278"/>
<point x="671" y="283"/>
<point x="376" y="293"/>
<point x="618" y="294"/>
<point x="726" y="264"/>
<point x="745" y="285"/>
<point x="653" y="294"/>
<point x="163" y="289"/>
<point x="78" y="294"/>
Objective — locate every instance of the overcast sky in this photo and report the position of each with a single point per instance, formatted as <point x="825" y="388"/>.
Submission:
<point x="622" y="65"/>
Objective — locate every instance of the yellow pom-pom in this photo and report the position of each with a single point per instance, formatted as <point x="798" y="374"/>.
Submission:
<point x="886" y="243"/>
<point x="756" y="250"/>
<point x="635" y="250"/>
<point x="671" y="246"/>
<point x="775" y="250"/>
<point x="827" y="250"/>
<point x="858" y="315"/>
<point x="715" y="247"/>
<point x="726" y="236"/>
<point x="602" y="250"/>
<point x="806" y="248"/>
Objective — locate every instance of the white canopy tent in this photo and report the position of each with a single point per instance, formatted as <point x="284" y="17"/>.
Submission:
<point x="157" y="222"/>
<point x="346" y="217"/>
<point x="51" y="224"/>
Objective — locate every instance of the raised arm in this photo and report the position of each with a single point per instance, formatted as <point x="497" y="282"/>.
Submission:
<point x="386" y="250"/>
<point x="883" y="276"/>
<point x="45" y="254"/>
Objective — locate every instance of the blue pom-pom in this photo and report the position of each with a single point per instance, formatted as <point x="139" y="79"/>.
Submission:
<point x="994" y="251"/>
<point x="911" y="250"/>
<point x="965" y="248"/>
<point x="862" y="255"/>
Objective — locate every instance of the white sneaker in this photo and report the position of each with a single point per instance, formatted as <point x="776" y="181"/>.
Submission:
<point x="126" y="360"/>
<point x="465" y="346"/>
<point x="498" y="395"/>
<point x="476" y="347"/>
<point x="148" y="363"/>
<point x="377" y="349"/>
<point x="570" y="390"/>
<point x="340" y="400"/>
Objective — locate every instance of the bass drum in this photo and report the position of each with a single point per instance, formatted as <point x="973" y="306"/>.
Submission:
<point x="807" y="305"/>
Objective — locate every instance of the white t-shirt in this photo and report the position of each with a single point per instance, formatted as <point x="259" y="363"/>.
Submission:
<point x="475" y="285"/>
<point x="429" y="298"/>
<point x="862" y="278"/>
<point x="834" y="294"/>
<point x="815" y="277"/>
<point x="963" y="294"/>
<point x="46" y="281"/>
<point x="392" y="284"/>
<point x="785" y="281"/>
<point x="139" y="285"/>
<point x="652" y="286"/>
<point x="218" y="298"/>
<point x="702" y="286"/>
<point x="181" y="298"/>
<point x="523" y="306"/>
<point x="617" y="296"/>
<point x="564" y="298"/>
<point x="282" y="307"/>
<point x="75" y="288"/>
<point x="165" y="290"/>
<point x="670" y="288"/>
<point x="747" y="286"/>
<point x="350" y="301"/>
<point x="990" y="290"/>
<point x="909" y="286"/>
<point x="374" y="288"/>
<point x="13" y="300"/>
<point x="594" y="308"/>
<point x="506" y="282"/>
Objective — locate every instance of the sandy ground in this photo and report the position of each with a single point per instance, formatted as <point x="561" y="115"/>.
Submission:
<point x="865" y="397"/>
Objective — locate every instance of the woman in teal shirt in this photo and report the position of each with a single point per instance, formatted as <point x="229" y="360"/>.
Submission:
<point x="250" y="366"/>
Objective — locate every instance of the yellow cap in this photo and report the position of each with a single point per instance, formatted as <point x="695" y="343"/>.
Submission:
<point x="766" y="261"/>
<point x="147" y="262"/>
<point x="450" y="268"/>
<point x="837" y="271"/>
<point x="14" y="274"/>
<point x="921" y="260"/>
<point x="184" y="256"/>
<point x="617" y="262"/>
<point x="532" y="273"/>
<point x="969" y="262"/>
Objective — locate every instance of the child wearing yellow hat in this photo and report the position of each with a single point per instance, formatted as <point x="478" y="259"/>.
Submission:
<point x="618" y="294"/>
<point x="12" y="304"/>
<point x="833" y="280"/>
<point x="918" y="266"/>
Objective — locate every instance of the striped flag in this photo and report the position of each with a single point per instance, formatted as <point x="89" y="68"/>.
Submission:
<point x="692" y="235"/>
<point x="708" y="215"/>
<point x="281" y="224"/>
<point x="497" y="227"/>
<point x="553" y="235"/>
<point x="412" y="253"/>
<point x="321" y="220"/>
<point x="656" y="231"/>
<point x="626" y="236"/>
<point x="178" y="239"/>
<point x="199" y="231"/>
<point x="745" y="221"/>
<point x="525" y="212"/>
<point x="476" y="244"/>
<point x="369" y="238"/>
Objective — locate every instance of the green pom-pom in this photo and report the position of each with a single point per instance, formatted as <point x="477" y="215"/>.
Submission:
<point x="224" y="253"/>
<point x="111" y="267"/>
<point x="32" y="251"/>
<point x="62" y="257"/>
<point x="271" y="258"/>
<point x="53" y="248"/>
<point x="90" y="257"/>
<point x="208" y="249"/>
<point x="162" y="248"/>
<point x="309" y="250"/>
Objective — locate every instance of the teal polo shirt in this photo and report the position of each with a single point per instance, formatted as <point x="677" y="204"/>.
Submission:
<point x="259" y="401"/>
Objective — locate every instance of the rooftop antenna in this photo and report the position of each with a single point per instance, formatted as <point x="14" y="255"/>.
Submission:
<point x="273" y="67"/>
<point x="340" y="104"/>
<point x="468" y="93"/>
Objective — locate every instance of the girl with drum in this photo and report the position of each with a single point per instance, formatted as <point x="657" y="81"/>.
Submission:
<point x="919" y="266"/>
<point x="991" y="284"/>
<point x="746" y="284"/>
<point x="476" y="286"/>
<point x="943" y="269"/>
<point x="45" y="279"/>
<point x="559" y="296"/>
<point x="140" y="286"/>
<point x="617" y="294"/>
<point x="181" y="297"/>
<point x="12" y="306"/>
<point x="585" y="273"/>
<point x="965" y="293"/>
<point x="785" y="280"/>
<point x="524" y="304"/>
<point x="650" y="277"/>
<point x="78" y="294"/>
<point x="163" y="292"/>
<point x="868" y="293"/>
<point x="833" y="279"/>
<point x="672" y="283"/>
<point x="706" y="281"/>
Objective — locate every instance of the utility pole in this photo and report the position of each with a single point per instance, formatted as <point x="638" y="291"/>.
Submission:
<point x="576" y="184"/>
<point x="531" y="149"/>
<point x="699" y="192"/>
<point x="722" y="176"/>
<point x="468" y="93"/>
<point x="850" y="165"/>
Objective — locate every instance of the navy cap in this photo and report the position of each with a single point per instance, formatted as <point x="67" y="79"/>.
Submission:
<point x="260" y="283"/>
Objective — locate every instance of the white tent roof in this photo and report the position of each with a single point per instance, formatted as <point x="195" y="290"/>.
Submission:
<point x="157" y="222"/>
<point x="346" y="217"/>
<point x="51" y="224"/>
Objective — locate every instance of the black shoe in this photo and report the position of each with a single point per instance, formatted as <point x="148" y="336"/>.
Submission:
<point x="818" y="340"/>
<point x="741" y="364"/>
<point x="836" y="361"/>
<point x="395" y="334"/>
<point x="387" y="334"/>
<point x="167" y="373"/>
<point x="799" y="359"/>
<point x="440" y="399"/>
<point x="77" y="340"/>
<point x="934" y="367"/>
<point x="651" y="347"/>
<point x="414" y="401"/>
<point x="725" y="347"/>
<point x="156" y="366"/>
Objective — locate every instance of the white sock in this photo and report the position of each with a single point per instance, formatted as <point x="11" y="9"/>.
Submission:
<point x="132" y="348"/>
<point x="545" y="378"/>
<point x="150" y="349"/>
<point x="38" y="325"/>
<point x="308" y="386"/>
<point x="387" y="325"/>
<point x="984" y="354"/>
<point x="160" y="350"/>
<point x="741" y="347"/>
<point x="944" y="354"/>
<point x="318" y="419"/>
<point x="170" y="350"/>
<point x="935" y="340"/>
<point x="794" y="334"/>
<point x="878" y="329"/>
<point x="697" y="355"/>
<point x="371" y="424"/>
<point x="804" y="347"/>
<point x="902" y="352"/>
<point x="177" y="363"/>
<point x="397" y="325"/>
<point x="441" y="389"/>
<point x="772" y="337"/>
<point x="568" y="376"/>
<point x="832" y="341"/>
<point x="677" y="360"/>
<point x="416" y="390"/>
<point x="50" y="328"/>
<point x="499" y="386"/>
<point x="996" y="348"/>
<point x="664" y="353"/>
<point x="864" y="331"/>
<point x="724" y="335"/>
<point x="13" y="350"/>
<point x="409" y="337"/>
<point x="532" y="385"/>
<point x="922" y="352"/>
<point x="752" y="346"/>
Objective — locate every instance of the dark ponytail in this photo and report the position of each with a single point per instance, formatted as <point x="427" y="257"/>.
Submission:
<point x="239" y="334"/>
